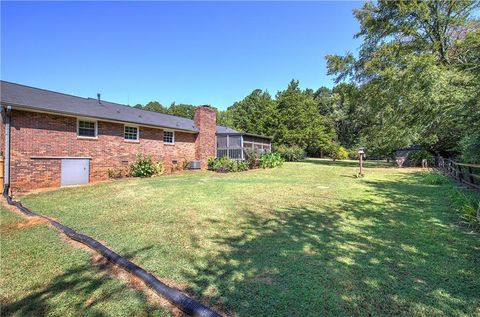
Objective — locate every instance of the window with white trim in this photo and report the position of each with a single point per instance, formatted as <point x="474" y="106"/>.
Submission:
<point x="168" y="137"/>
<point x="86" y="128"/>
<point x="130" y="133"/>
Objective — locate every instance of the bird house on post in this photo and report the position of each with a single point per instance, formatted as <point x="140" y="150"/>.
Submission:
<point x="361" y="152"/>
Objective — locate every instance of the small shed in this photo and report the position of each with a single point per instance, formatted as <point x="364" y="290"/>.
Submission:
<point x="401" y="155"/>
<point x="234" y="144"/>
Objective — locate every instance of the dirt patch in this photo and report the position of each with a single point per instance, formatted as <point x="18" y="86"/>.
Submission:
<point x="13" y="209"/>
<point x="32" y="221"/>
<point x="135" y="283"/>
<point x="75" y="244"/>
<point x="263" y="279"/>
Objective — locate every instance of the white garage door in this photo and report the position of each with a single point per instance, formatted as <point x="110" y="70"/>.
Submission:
<point x="75" y="171"/>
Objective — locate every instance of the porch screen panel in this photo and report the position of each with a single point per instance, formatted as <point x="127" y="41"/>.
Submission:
<point x="235" y="141"/>
<point x="235" y="147"/>
<point x="247" y="138"/>
<point x="221" y="145"/>
<point x="221" y="141"/>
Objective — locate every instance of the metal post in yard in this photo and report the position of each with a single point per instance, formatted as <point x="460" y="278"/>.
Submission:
<point x="360" y="156"/>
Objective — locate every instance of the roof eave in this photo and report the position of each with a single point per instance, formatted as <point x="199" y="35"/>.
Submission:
<point x="72" y="114"/>
<point x="245" y="133"/>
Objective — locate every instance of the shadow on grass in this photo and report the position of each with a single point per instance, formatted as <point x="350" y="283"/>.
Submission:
<point x="350" y="163"/>
<point x="395" y="254"/>
<point x="80" y="291"/>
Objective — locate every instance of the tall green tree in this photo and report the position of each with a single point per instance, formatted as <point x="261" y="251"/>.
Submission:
<point x="468" y="60"/>
<point x="256" y="113"/>
<point x="181" y="110"/>
<point x="392" y="29"/>
<point x="299" y="121"/>
<point x="341" y="108"/>
<point x="225" y="118"/>
<point x="410" y="87"/>
<point x="155" y="106"/>
<point x="323" y="98"/>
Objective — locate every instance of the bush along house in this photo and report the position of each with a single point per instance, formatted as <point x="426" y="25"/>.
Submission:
<point x="51" y="139"/>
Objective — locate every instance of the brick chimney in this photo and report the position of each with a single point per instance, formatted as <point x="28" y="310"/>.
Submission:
<point x="206" y="122"/>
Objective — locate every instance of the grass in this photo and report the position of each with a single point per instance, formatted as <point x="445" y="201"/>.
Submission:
<point x="307" y="239"/>
<point x="43" y="275"/>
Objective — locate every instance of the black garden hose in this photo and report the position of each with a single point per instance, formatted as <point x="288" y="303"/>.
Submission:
<point x="177" y="298"/>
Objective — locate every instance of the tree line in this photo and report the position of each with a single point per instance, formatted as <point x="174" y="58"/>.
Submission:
<point x="415" y="80"/>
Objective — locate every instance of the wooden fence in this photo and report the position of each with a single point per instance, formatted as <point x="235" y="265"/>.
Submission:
<point x="468" y="174"/>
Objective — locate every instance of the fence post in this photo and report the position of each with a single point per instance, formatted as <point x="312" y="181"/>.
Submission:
<point x="470" y="172"/>
<point x="463" y="173"/>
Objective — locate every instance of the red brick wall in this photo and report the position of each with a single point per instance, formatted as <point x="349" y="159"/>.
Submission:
<point x="205" y="121"/>
<point x="2" y="134"/>
<point x="37" y="134"/>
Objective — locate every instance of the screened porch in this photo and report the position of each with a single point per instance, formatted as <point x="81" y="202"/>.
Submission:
<point x="234" y="145"/>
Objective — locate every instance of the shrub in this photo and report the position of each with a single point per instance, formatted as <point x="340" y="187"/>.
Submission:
<point x="434" y="178"/>
<point x="159" y="168"/>
<point x="417" y="156"/>
<point x="464" y="202"/>
<point x="338" y="153"/>
<point x="118" y="172"/>
<point x="290" y="153"/>
<point x="352" y="154"/>
<point x="270" y="160"/>
<point x="216" y="163"/>
<point x="185" y="165"/>
<point x="467" y="204"/>
<point x="237" y="166"/>
<point x="143" y="166"/>
<point x="252" y="157"/>
<point x="224" y="165"/>
<point x="470" y="148"/>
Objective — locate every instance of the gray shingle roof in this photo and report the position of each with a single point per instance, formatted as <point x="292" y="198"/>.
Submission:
<point x="222" y="129"/>
<point x="44" y="100"/>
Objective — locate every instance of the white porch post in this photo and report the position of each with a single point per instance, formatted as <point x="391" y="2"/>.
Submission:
<point x="228" y="145"/>
<point x="241" y="145"/>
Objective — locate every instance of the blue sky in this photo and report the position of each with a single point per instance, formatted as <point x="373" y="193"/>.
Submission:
<point x="189" y="52"/>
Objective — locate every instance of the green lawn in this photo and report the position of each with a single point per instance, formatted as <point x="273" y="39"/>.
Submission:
<point x="307" y="239"/>
<point x="43" y="275"/>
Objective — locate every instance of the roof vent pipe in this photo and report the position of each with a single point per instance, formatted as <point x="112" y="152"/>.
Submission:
<point x="98" y="97"/>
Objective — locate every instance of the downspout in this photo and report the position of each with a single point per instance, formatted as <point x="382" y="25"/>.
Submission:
<point x="6" y="180"/>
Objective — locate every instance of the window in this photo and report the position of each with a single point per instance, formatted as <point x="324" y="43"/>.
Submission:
<point x="87" y="129"/>
<point x="168" y="137"/>
<point x="130" y="133"/>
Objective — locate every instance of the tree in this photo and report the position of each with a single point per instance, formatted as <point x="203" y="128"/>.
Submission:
<point x="299" y="121"/>
<point x="255" y="113"/>
<point x="323" y="98"/>
<point x="155" y="106"/>
<point x="468" y="60"/>
<point x="410" y="87"/>
<point x="225" y="118"/>
<point x="181" y="110"/>
<point x="342" y="109"/>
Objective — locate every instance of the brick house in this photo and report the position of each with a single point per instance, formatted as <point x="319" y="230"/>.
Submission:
<point x="51" y="139"/>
